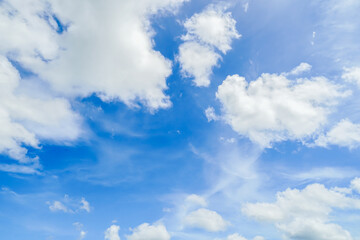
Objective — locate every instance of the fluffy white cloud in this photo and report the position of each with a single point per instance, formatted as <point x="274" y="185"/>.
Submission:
<point x="344" y="134"/>
<point x="304" y="214"/>
<point x="112" y="233"/>
<point x="197" y="61"/>
<point x="118" y="61"/>
<point x="26" y="119"/>
<point x="27" y="36"/>
<point x="206" y="31"/>
<point x="274" y="108"/>
<point x="352" y="75"/>
<point x="213" y="27"/>
<point x="206" y="219"/>
<point x="105" y="49"/>
<point x="149" y="232"/>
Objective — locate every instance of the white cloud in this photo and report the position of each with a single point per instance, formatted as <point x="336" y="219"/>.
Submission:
<point x="206" y="31"/>
<point x="302" y="68"/>
<point x="85" y="205"/>
<point x="246" y="7"/>
<point x="344" y="134"/>
<point x="304" y="214"/>
<point x="206" y="219"/>
<point x="214" y="27"/>
<point x="273" y="108"/>
<point x="259" y="238"/>
<point x="57" y="206"/>
<point x="69" y="205"/>
<point x="235" y="236"/>
<point x="196" y="200"/>
<point x="149" y="232"/>
<point x="210" y="114"/>
<point x="112" y="233"/>
<point x="82" y="234"/>
<point x="352" y="75"/>
<point x="27" y="119"/>
<point x="197" y="61"/>
<point x="79" y="227"/>
<point x="118" y="61"/>
<point x="355" y="184"/>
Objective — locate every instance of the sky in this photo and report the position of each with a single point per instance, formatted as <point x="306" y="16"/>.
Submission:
<point x="179" y="119"/>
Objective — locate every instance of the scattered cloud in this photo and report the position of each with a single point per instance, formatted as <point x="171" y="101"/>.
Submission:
<point x="112" y="233"/>
<point x="146" y="231"/>
<point x="211" y="115"/>
<point x="302" y="68"/>
<point x="208" y="31"/>
<point x="206" y="219"/>
<point x="343" y="134"/>
<point x="196" y="200"/>
<point x="304" y="214"/>
<point x="352" y="75"/>
<point x="79" y="227"/>
<point x="69" y="205"/>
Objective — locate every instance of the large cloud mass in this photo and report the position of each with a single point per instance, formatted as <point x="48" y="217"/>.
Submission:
<point x="304" y="214"/>
<point x="274" y="108"/>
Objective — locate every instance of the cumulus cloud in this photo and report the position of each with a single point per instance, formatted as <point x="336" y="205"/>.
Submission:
<point x="149" y="232"/>
<point x="304" y="214"/>
<point x="112" y="233"/>
<point x="213" y="26"/>
<point x="105" y="49"/>
<point x="116" y="63"/>
<point x="208" y="31"/>
<point x="352" y="75"/>
<point x="344" y="134"/>
<point x="26" y="120"/>
<point x="206" y="219"/>
<point x="273" y="108"/>
<point x="197" y="61"/>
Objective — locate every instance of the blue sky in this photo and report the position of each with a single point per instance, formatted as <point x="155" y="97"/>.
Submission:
<point x="179" y="119"/>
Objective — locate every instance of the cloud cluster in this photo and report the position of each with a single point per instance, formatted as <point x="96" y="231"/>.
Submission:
<point x="304" y="214"/>
<point x="208" y="31"/>
<point x="274" y="108"/>
<point x="105" y="49"/>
